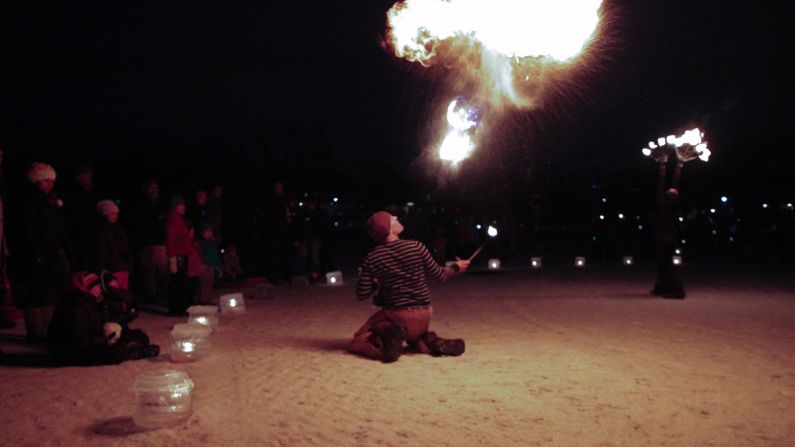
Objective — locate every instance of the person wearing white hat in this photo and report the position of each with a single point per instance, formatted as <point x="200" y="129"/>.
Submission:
<point x="113" y="247"/>
<point x="43" y="250"/>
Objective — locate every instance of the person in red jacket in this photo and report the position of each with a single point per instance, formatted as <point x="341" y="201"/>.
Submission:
<point x="178" y="248"/>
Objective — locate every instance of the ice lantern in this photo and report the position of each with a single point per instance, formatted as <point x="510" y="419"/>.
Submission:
<point x="232" y="303"/>
<point x="163" y="398"/>
<point x="206" y="315"/>
<point x="190" y="342"/>
<point x="334" y="278"/>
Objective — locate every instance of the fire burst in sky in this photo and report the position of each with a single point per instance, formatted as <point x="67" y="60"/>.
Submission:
<point x="504" y="51"/>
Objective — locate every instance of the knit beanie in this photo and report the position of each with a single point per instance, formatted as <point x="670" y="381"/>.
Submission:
<point x="40" y="171"/>
<point x="105" y="207"/>
<point x="378" y="225"/>
<point x="85" y="281"/>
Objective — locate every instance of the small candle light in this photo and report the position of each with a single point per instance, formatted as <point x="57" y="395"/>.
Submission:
<point x="187" y="346"/>
<point x="334" y="278"/>
<point x="628" y="260"/>
<point x="202" y="320"/>
<point x="536" y="262"/>
<point x="579" y="261"/>
<point x="677" y="260"/>
<point x="232" y="303"/>
<point x="494" y="264"/>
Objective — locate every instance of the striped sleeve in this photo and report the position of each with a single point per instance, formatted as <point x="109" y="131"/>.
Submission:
<point x="366" y="286"/>
<point x="432" y="268"/>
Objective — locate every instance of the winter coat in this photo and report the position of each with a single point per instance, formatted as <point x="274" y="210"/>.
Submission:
<point x="113" y="249"/>
<point x="42" y="246"/>
<point x="178" y="240"/>
<point x="77" y="323"/>
<point x="150" y="224"/>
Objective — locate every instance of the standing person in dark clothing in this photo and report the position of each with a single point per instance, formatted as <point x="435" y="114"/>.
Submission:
<point x="89" y="329"/>
<point x="43" y="251"/>
<point x="150" y="240"/>
<point x="79" y="203"/>
<point x="113" y="248"/>
<point x="179" y="246"/>
<point x="394" y="275"/>
<point x="5" y="283"/>
<point x="669" y="282"/>
<point x="197" y="211"/>
<point x="215" y="209"/>
<point x="278" y="244"/>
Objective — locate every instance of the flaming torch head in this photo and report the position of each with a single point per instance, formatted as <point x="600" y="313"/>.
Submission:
<point x="462" y="120"/>
<point x="505" y="51"/>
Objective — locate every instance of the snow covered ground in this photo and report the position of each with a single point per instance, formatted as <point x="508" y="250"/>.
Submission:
<point x="557" y="356"/>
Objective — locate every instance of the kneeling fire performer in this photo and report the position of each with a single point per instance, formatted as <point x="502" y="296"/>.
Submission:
<point x="394" y="274"/>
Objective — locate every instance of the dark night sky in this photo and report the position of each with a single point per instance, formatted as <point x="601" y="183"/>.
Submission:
<point x="290" y="87"/>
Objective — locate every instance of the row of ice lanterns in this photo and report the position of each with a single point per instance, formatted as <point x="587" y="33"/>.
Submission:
<point x="579" y="261"/>
<point x="164" y="396"/>
<point x="190" y="340"/>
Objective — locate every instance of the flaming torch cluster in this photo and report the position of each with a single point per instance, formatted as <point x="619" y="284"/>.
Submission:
<point x="687" y="147"/>
<point x="503" y="51"/>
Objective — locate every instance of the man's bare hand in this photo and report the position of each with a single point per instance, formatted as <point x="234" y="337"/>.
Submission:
<point x="462" y="264"/>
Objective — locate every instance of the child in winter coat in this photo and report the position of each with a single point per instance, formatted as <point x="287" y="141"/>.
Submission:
<point x="89" y="327"/>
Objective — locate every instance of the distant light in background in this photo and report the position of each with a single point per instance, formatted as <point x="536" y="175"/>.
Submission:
<point x="601" y="217"/>
<point x="627" y="260"/>
<point x="494" y="264"/>
<point x="604" y="199"/>
<point x="764" y="205"/>
<point x="536" y="262"/>
<point x="724" y="199"/>
<point x="579" y="261"/>
<point x="712" y="210"/>
<point x="621" y="216"/>
<point x="677" y="260"/>
<point x="681" y="219"/>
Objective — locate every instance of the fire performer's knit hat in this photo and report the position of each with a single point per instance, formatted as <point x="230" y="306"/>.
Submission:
<point x="40" y="171"/>
<point x="378" y="225"/>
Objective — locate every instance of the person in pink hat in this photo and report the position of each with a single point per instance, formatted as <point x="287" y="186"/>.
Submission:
<point x="395" y="275"/>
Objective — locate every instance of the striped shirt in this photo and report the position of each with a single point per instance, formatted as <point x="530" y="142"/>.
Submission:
<point x="394" y="273"/>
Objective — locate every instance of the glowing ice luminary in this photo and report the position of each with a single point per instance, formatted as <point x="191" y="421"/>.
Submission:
<point x="190" y="342"/>
<point x="627" y="260"/>
<point x="494" y="264"/>
<point x="232" y="303"/>
<point x="334" y="278"/>
<point x="536" y="262"/>
<point x="206" y="315"/>
<point x="677" y="260"/>
<point x="163" y="398"/>
<point x="579" y="261"/>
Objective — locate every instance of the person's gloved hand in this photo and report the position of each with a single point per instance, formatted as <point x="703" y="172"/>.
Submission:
<point x="112" y="332"/>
